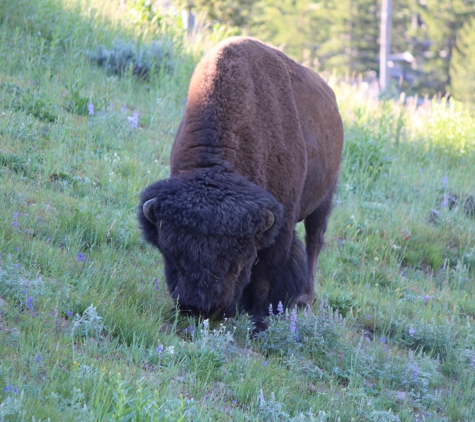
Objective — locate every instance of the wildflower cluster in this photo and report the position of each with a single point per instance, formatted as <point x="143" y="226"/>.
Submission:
<point x="306" y="333"/>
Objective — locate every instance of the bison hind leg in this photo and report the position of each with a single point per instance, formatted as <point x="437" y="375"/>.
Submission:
<point x="315" y="227"/>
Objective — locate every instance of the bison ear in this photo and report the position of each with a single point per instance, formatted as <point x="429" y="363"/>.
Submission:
<point x="271" y="223"/>
<point x="148" y="212"/>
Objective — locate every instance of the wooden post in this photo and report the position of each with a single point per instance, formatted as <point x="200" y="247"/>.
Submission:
<point x="385" y="46"/>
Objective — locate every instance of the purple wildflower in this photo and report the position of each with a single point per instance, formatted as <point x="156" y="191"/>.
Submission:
<point x="16" y="249"/>
<point x="69" y="313"/>
<point x="134" y="120"/>
<point x="206" y="324"/>
<point x="426" y="298"/>
<point x="24" y="291"/>
<point x="15" y="216"/>
<point x="265" y="363"/>
<point x="368" y="317"/>
<point x="123" y="109"/>
<point x="383" y="340"/>
<point x="159" y="349"/>
<point x="473" y="361"/>
<point x="415" y="371"/>
<point x="445" y="181"/>
<point x="261" y="397"/>
<point x="15" y="390"/>
<point x="412" y="331"/>
<point x="189" y="329"/>
<point x="15" y="224"/>
<point x="280" y="308"/>
<point x="8" y="388"/>
<point x="367" y="286"/>
<point x="81" y="257"/>
<point x="38" y="359"/>
<point x="293" y="325"/>
<point x="156" y="284"/>
<point x="29" y="303"/>
<point x="90" y="108"/>
<point x="18" y="266"/>
<point x="50" y="239"/>
<point x="445" y="202"/>
<point x="271" y="310"/>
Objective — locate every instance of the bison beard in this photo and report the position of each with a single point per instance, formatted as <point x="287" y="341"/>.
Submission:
<point x="258" y="150"/>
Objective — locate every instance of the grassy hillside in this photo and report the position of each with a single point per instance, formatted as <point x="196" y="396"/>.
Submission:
<point x="85" y="328"/>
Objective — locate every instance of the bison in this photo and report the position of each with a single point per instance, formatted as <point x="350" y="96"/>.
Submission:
<point x="258" y="150"/>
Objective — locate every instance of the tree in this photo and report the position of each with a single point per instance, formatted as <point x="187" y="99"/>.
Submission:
<point x="442" y="21"/>
<point x="462" y="66"/>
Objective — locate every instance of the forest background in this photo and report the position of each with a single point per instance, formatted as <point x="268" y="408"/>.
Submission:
<point x="432" y="41"/>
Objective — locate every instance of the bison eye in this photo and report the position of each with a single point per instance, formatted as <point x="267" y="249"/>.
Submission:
<point x="148" y="211"/>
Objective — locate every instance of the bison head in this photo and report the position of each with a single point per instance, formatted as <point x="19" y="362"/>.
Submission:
<point x="208" y="224"/>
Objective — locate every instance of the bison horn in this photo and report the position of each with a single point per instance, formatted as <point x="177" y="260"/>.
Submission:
<point x="269" y="220"/>
<point x="148" y="212"/>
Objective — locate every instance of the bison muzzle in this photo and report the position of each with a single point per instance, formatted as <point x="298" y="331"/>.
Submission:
<point x="258" y="150"/>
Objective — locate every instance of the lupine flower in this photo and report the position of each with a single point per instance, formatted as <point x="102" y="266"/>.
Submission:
<point x="69" y="313"/>
<point x="261" y="397"/>
<point x="280" y="308"/>
<point x="412" y="331"/>
<point x="15" y="224"/>
<point x="293" y="325"/>
<point x="426" y="298"/>
<point x="271" y="310"/>
<point x="90" y="108"/>
<point x="189" y="330"/>
<point x="38" y="359"/>
<point x="156" y="284"/>
<point x="8" y="388"/>
<point x="81" y="257"/>
<point x="265" y="363"/>
<point x="29" y="303"/>
<point x="159" y="349"/>
<point x="383" y="340"/>
<point x="368" y="317"/>
<point x="18" y="266"/>
<point x="415" y="371"/>
<point x="134" y="120"/>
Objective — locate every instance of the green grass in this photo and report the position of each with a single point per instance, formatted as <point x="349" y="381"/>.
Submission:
<point x="84" y="339"/>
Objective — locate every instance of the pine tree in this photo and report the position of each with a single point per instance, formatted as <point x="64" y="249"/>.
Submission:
<point x="442" y="20"/>
<point x="462" y="66"/>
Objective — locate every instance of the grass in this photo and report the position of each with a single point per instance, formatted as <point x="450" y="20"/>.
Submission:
<point x="86" y="331"/>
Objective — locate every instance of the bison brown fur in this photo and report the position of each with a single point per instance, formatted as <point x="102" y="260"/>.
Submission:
<point x="257" y="151"/>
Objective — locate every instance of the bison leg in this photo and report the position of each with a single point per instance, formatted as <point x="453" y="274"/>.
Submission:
<point x="277" y="276"/>
<point x="315" y="228"/>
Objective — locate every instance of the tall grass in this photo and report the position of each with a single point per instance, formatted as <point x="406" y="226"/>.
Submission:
<point x="86" y="331"/>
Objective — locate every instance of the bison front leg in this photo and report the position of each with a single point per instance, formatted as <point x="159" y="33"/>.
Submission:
<point x="315" y="227"/>
<point x="279" y="275"/>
